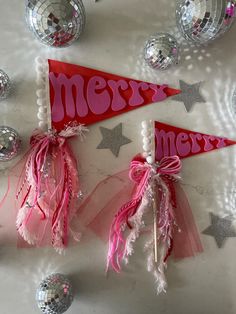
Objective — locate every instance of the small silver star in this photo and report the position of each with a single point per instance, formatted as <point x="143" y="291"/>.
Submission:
<point x="220" y="229"/>
<point x="190" y="94"/>
<point x="113" y="139"/>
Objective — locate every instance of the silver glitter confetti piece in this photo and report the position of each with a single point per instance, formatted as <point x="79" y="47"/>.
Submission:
<point x="220" y="229"/>
<point x="161" y="51"/>
<point x="113" y="139"/>
<point x="201" y="21"/>
<point x="80" y="195"/>
<point x="54" y="294"/>
<point x="190" y="94"/>
<point x="56" y="23"/>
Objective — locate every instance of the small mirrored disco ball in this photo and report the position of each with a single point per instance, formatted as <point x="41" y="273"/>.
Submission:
<point x="233" y="103"/>
<point x="10" y="143"/>
<point x="201" y="21"/>
<point x="56" y="23"/>
<point x="54" y="294"/>
<point x="5" y="85"/>
<point x="161" y="51"/>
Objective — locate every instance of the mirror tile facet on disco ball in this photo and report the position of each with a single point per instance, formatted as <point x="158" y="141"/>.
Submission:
<point x="56" y="23"/>
<point x="5" y="85"/>
<point x="10" y="143"/>
<point x="201" y="21"/>
<point x="233" y="103"/>
<point x="54" y="294"/>
<point x="161" y="51"/>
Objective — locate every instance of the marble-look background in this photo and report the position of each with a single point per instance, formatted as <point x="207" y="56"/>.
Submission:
<point x="113" y="42"/>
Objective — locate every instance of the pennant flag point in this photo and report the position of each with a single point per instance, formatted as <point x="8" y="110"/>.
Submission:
<point x="171" y="140"/>
<point x="171" y="91"/>
<point x="87" y="96"/>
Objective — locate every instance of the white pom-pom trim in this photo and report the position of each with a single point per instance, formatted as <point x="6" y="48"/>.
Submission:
<point x="41" y="102"/>
<point x="43" y="125"/>
<point x="38" y="60"/>
<point x="44" y="119"/>
<point x="41" y="93"/>
<point x="144" y="124"/>
<point x="144" y="132"/>
<point x="147" y="148"/>
<point x="148" y="141"/>
<point x="42" y="109"/>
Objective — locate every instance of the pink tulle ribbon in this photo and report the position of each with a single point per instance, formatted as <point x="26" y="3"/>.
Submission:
<point x="48" y="189"/>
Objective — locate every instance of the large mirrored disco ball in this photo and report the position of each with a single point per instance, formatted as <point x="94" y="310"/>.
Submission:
<point x="56" y="23"/>
<point x="201" y="21"/>
<point x="10" y="143"/>
<point x="5" y="85"/>
<point x="54" y="294"/>
<point x="161" y="51"/>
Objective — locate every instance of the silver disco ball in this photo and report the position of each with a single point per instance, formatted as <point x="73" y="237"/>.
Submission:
<point x="56" y="23"/>
<point x="54" y="294"/>
<point x="5" y="85"/>
<point x="233" y="102"/>
<point x="201" y="21"/>
<point x="10" y="143"/>
<point x="161" y="51"/>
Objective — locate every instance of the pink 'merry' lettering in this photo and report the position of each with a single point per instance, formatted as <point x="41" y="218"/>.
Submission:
<point x="87" y="96"/>
<point x="172" y="141"/>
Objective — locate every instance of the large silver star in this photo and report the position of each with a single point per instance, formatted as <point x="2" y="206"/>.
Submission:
<point x="113" y="139"/>
<point x="220" y="229"/>
<point x="190" y="94"/>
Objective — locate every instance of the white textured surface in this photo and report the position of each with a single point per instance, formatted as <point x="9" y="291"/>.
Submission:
<point x="113" y="41"/>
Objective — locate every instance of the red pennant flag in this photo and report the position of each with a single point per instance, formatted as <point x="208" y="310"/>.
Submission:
<point x="170" y="141"/>
<point x="87" y="96"/>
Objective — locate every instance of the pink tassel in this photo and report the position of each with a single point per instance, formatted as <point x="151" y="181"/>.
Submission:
<point x="48" y="192"/>
<point x="141" y="173"/>
<point x="154" y="182"/>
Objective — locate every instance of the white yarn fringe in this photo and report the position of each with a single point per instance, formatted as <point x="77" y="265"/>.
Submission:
<point x="158" y="269"/>
<point x="22" y="229"/>
<point x="74" y="128"/>
<point x="137" y="223"/>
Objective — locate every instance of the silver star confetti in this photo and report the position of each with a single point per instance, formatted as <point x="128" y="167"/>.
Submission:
<point x="220" y="229"/>
<point x="190" y="94"/>
<point x="113" y="139"/>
